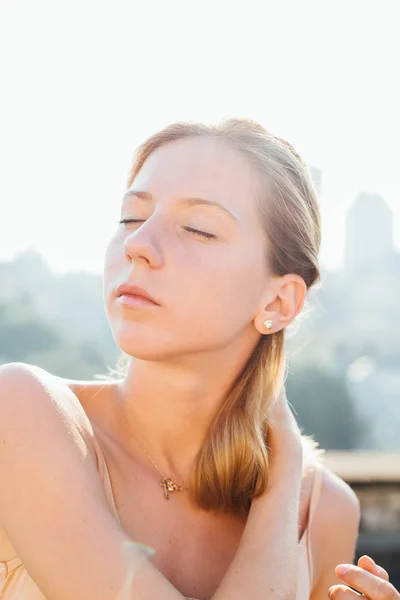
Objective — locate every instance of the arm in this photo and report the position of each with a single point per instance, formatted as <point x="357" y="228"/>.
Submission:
<point x="335" y="532"/>
<point x="61" y="520"/>
<point x="52" y="505"/>
<point x="265" y="566"/>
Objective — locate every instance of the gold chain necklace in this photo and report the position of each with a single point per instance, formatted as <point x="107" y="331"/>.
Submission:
<point x="166" y="482"/>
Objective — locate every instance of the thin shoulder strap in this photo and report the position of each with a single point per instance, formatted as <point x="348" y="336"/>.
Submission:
<point x="104" y="474"/>
<point x="315" y="494"/>
<point x="316" y="491"/>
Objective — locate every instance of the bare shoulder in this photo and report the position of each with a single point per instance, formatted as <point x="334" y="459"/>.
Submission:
<point x="34" y="404"/>
<point x="334" y="529"/>
<point x="37" y="410"/>
<point x="18" y="378"/>
<point x="44" y="454"/>
<point x="30" y="391"/>
<point x="338" y="502"/>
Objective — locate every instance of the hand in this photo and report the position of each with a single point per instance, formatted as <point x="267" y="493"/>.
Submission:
<point x="259" y="566"/>
<point x="368" y="578"/>
<point x="283" y="426"/>
<point x="285" y="449"/>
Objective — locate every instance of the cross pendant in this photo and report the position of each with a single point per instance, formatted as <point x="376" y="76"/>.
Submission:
<point x="169" y="486"/>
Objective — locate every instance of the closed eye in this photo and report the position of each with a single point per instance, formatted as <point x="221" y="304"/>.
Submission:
<point x="204" y="234"/>
<point x="125" y="221"/>
<point x="196" y="232"/>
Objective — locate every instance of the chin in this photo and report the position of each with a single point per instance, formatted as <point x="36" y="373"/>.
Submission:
<point x="148" y="354"/>
<point x="143" y="345"/>
<point x="147" y="342"/>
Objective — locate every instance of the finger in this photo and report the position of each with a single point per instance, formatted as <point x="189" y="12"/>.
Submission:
<point x="367" y="563"/>
<point x="342" y="592"/>
<point x="370" y="585"/>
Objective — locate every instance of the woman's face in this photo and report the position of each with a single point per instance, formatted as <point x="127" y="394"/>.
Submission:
<point x="191" y="239"/>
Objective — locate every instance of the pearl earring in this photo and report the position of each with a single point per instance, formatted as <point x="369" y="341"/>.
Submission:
<point x="268" y="324"/>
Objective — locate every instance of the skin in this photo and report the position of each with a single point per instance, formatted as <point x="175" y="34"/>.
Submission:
<point x="367" y="578"/>
<point x="192" y="347"/>
<point x="213" y="296"/>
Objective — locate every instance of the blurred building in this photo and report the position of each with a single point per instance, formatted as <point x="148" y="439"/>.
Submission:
<point x="370" y="231"/>
<point x="372" y="278"/>
<point x="357" y="310"/>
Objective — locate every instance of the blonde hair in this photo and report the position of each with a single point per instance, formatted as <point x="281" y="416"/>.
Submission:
<point x="232" y="466"/>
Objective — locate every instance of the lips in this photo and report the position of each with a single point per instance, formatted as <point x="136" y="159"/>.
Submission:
<point x="134" y="291"/>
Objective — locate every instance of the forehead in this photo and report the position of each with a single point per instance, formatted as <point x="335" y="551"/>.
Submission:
<point x="199" y="167"/>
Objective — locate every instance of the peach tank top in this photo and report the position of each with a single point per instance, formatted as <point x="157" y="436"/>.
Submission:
<point x="16" y="584"/>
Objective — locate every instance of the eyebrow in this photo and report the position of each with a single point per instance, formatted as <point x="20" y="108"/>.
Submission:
<point x="186" y="201"/>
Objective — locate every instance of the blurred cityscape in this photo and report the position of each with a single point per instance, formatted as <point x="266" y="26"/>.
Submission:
<point x="351" y="329"/>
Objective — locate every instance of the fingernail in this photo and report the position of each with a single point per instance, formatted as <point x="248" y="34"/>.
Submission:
<point x="342" y="570"/>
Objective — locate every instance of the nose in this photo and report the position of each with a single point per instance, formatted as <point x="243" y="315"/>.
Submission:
<point x="142" y="245"/>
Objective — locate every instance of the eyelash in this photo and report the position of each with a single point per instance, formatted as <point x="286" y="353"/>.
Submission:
<point x="204" y="234"/>
<point x="124" y="221"/>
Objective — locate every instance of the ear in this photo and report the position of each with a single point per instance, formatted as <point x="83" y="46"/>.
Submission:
<point x="282" y="302"/>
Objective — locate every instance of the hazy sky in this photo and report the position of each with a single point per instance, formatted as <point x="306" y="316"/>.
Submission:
<point x="83" y="81"/>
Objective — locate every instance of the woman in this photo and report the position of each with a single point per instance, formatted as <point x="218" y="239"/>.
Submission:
<point x="187" y="453"/>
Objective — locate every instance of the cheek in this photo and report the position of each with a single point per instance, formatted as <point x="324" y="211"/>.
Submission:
<point x="242" y="287"/>
<point x="226" y="290"/>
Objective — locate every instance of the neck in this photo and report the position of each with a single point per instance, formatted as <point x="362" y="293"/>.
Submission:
<point x="169" y="406"/>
